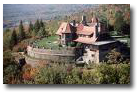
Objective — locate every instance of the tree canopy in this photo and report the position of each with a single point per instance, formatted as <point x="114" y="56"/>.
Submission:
<point x="13" y="40"/>
<point x="21" y="31"/>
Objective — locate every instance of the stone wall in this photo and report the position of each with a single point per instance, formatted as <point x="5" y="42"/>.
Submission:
<point x="91" y="56"/>
<point x="67" y="54"/>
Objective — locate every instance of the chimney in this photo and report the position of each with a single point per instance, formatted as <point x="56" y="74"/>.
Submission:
<point x="74" y="23"/>
<point x="94" y="20"/>
<point x="84" y="20"/>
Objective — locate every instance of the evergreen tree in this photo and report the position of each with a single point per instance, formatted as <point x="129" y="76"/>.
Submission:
<point x="30" y="29"/>
<point x="13" y="40"/>
<point x="21" y="31"/>
<point x="41" y="23"/>
<point x="42" y="32"/>
<point x="36" y="27"/>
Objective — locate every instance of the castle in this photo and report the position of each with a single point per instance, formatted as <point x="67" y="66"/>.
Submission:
<point x="93" y="36"/>
<point x="83" y="32"/>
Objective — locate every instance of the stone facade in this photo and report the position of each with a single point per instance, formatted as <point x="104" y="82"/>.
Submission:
<point x="91" y="56"/>
<point x="89" y="53"/>
<point x="52" y="55"/>
<point x="96" y="52"/>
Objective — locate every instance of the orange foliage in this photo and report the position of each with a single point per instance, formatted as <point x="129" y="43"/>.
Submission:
<point x="20" y="46"/>
<point x="29" y="72"/>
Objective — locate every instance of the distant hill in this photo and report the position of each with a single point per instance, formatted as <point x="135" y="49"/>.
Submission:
<point x="12" y="13"/>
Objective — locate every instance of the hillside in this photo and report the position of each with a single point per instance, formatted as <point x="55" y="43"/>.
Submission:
<point x="12" y="13"/>
<point x="34" y="54"/>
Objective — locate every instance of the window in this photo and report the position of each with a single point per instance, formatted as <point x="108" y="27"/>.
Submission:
<point x="93" y="61"/>
<point x="81" y="35"/>
<point x="92" y="55"/>
<point x="92" y="50"/>
<point x="91" y="35"/>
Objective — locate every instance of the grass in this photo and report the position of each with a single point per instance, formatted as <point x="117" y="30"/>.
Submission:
<point x="50" y="42"/>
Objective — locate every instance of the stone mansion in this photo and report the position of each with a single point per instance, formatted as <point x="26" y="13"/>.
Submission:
<point x="83" y="32"/>
<point x="93" y="36"/>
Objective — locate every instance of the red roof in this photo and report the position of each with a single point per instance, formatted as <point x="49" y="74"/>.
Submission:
<point x="86" y="40"/>
<point x="64" y="28"/>
<point x="81" y="29"/>
<point x="86" y="30"/>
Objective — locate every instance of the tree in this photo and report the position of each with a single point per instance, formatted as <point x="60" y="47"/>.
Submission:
<point x="119" y="22"/>
<point x="42" y="32"/>
<point x="13" y="40"/>
<point x="30" y="29"/>
<point x="6" y="39"/>
<point x="11" y="72"/>
<point x="21" y="31"/>
<point x="36" y="27"/>
<point x="41" y="23"/>
<point x="7" y="30"/>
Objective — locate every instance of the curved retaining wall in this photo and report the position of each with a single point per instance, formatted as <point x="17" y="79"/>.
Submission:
<point x="67" y="54"/>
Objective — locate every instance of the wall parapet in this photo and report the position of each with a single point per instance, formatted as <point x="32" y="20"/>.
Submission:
<point x="49" y="54"/>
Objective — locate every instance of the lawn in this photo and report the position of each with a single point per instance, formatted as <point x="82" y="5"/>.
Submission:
<point x="50" y="42"/>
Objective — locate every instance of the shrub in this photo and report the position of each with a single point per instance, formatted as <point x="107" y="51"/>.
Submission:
<point x="71" y="44"/>
<point x="114" y="57"/>
<point x="124" y="73"/>
<point x="7" y="58"/>
<point x="51" y="75"/>
<point x="11" y="72"/>
<point x="73" y="77"/>
<point x="92" y="76"/>
<point x="109" y="75"/>
<point x="20" y="47"/>
<point x="115" y="73"/>
<point x="63" y="73"/>
<point x="69" y="74"/>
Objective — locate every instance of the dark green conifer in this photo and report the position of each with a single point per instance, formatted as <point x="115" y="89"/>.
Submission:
<point x="21" y="31"/>
<point x="13" y="40"/>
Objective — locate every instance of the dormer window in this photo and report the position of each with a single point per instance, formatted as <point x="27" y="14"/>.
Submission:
<point x="91" y="35"/>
